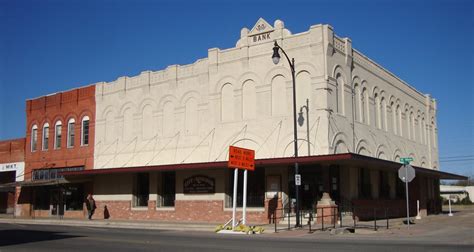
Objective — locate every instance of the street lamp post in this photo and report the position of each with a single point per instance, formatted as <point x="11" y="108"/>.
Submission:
<point x="301" y="121"/>
<point x="276" y="59"/>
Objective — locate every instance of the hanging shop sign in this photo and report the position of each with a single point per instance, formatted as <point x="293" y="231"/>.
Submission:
<point x="199" y="184"/>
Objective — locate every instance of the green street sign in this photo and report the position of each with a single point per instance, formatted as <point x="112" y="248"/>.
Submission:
<point x="406" y="160"/>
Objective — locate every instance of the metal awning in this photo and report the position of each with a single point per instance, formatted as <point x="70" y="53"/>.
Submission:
<point x="350" y="159"/>
<point x="32" y="183"/>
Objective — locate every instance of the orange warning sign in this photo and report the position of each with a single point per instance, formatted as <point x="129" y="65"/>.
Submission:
<point x="241" y="158"/>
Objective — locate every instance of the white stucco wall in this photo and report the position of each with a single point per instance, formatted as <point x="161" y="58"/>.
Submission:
<point x="18" y="167"/>
<point x="237" y="96"/>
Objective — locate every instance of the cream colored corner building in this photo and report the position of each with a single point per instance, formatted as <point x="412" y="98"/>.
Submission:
<point x="192" y="113"/>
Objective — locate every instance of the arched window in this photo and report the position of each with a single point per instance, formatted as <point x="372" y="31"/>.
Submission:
<point x="412" y="126"/>
<point x="357" y="97"/>
<point x="148" y="125"/>
<point x="383" y="112"/>
<point x="227" y="103"/>
<point x="394" y="118"/>
<point x="279" y="103"/>
<point x="45" y="140"/>
<point x="399" y="118"/>
<point x="168" y="119"/>
<point x="423" y="126"/>
<point x="191" y="119"/>
<point x="408" y="123"/>
<point x="339" y="94"/>
<point x="70" y="132"/>
<point x="127" y="125"/>
<point x="248" y="100"/>
<point x="303" y="89"/>
<point x="419" y="130"/>
<point x="57" y="135"/>
<point x="433" y="132"/>
<point x="377" y="111"/>
<point x="85" y="131"/>
<point x="34" y="138"/>
<point x="364" y="101"/>
<point x="110" y="134"/>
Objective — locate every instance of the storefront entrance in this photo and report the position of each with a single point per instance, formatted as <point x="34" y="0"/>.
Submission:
<point x="57" y="202"/>
<point x="314" y="181"/>
<point x="311" y="188"/>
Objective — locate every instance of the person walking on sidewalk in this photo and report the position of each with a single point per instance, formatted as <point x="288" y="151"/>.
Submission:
<point x="90" y="204"/>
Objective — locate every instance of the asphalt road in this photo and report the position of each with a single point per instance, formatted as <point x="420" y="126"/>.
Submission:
<point x="15" y="237"/>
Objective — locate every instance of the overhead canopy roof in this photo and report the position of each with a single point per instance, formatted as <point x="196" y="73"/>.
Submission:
<point x="10" y="187"/>
<point x="349" y="159"/>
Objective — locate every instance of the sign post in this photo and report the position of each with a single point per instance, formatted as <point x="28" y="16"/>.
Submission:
<point x="240" y="158"/>
<point x="234" y="200"/>
<point x="406" y="173"/>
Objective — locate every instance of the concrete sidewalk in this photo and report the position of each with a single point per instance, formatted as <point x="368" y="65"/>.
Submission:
<point x="433" y="229"/>
<point x="129" y="224"/>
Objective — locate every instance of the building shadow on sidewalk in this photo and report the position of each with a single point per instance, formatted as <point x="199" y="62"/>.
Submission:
<point x="19" y="236"/>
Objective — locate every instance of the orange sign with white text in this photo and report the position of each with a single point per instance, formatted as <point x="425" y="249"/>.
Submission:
<point x="241" y="158"/>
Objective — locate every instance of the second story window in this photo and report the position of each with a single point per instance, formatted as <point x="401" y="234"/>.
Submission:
<point x="34" y="137"/>
<point x="57" y="135"/>
<point x="70" y="133"/>
<point x="85" y="131"/>
<point x="45" y="136"/>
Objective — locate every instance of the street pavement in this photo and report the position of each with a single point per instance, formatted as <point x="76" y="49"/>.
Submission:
<point x="433" y="233"/>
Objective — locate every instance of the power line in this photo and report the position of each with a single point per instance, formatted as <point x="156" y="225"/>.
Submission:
<point x="455" y="157"/>
<point x="457" y="160"/>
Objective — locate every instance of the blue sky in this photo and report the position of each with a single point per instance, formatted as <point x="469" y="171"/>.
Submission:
<point x="50" y="46"/>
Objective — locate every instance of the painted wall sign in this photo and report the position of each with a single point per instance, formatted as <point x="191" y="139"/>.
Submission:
<point x="261" y="37"/>
<point x="19" y="167"/>
<point x="199" y="184"/>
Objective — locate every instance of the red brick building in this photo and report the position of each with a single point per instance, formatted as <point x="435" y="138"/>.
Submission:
<point x="12" y="156"/>
<point x="59" y="137"/>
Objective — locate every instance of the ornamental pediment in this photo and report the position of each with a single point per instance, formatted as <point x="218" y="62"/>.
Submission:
<point x="260" y="27"/>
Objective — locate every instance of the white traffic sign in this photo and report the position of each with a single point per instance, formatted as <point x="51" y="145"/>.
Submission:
<point x="298" y="179"/>
<point x="406" y="173"/>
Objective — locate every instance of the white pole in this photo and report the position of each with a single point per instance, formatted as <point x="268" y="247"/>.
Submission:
<point x="406" y="189"/>
<point x="244" y="205"/>
<point x="418" y="217"/>
<point x="234" y="200"/>
<point x="449" y="200"/>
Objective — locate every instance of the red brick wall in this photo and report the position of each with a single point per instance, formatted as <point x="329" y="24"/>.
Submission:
<point x="75" y="104"/>
<point x="12" y="151"/>
<point x="211" y="211"/>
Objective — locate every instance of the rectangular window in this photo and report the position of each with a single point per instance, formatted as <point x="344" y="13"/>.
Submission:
<point x="364" y="184"/>
<point x="74" y="197"/>
<point x="384" y="185"/>
<point x="45" y="138"/>
<point x="168" y="189"/>
<point x="255" y="188"/>
<point x="85" y="133"/>
<point x="70" y="135"/>
<point x="41" y="198"/>
<point x="42" y="174"/>
<point x="34" y="139"/>
<point x="57" y="139"/>
<point x="141" y="190"/>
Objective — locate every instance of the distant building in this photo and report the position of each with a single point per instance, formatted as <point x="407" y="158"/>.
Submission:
<point x="158" y="142"/>
<point x="12" y="169"/>
<point x="457" y="193"/>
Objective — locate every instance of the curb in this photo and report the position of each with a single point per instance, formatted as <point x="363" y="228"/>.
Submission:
<point x="112" y="224"/>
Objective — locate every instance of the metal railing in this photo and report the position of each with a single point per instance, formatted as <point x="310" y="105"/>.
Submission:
<point x="352" y="217"/>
